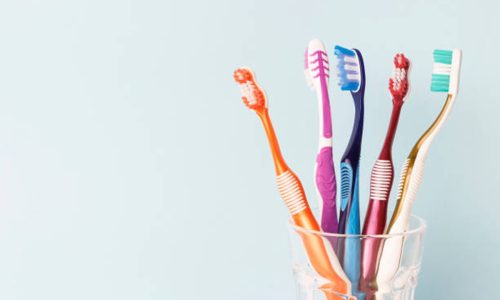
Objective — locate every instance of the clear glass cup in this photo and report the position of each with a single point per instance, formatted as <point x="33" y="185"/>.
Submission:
<point x="366" y="283"/>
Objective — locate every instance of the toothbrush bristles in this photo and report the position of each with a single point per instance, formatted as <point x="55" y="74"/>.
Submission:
<point x="442" y="70"/>
<point x="398" y="83"/>
<point x="252" y="95"/>
<point x="348" y="69"/>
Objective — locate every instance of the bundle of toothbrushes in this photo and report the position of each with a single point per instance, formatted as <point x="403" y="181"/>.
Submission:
<point x="381" y="260"/>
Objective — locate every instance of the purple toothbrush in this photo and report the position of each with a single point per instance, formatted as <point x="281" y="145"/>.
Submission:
<point x="317" y="74"/>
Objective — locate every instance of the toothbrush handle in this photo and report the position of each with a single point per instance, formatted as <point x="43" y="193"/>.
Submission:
<point x="380" y="186"/>
<point x="353" y="221"/>
<point x="390" y="258"/>
<point x="391" y="252"/>
<point x="349" y="168"/>
<point x="326" y="185"/>
<point x="370" y="246"/>
<point x="376" y="217"/>
<point x="328" y="267"/>
<point x="352" y="254"/>
<point x="324" y="178"/>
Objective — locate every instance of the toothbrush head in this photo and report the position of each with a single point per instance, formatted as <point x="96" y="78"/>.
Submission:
<point x="349" y="69"/>
<point x="316" y="65"/>
<point x="253" y="96"/>
<point x="398" y="83"/>
<point x="446" y="71"/>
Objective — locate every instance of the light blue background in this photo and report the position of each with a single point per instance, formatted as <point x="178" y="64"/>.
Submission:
<point x="130" y="169"/>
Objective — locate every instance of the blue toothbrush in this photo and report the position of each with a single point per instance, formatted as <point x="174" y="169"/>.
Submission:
<point x="351" y="74"/>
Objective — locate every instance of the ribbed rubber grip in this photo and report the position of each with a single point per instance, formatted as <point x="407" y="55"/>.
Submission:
<point x="381" y="180"/>
<point x="291" y="192"/>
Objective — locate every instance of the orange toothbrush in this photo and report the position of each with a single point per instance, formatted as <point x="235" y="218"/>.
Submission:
<point x="291" y="191"/>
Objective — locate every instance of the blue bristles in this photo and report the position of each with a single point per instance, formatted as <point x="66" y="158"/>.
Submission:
<point x="347" y="69"/>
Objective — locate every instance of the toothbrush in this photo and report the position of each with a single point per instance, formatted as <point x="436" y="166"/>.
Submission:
<point x="317" y="75"/>
<point x="445" y="78"/>
<point x="383" y="173"/>
<point x="291" y="191"/>
<point x="351" y="73"/>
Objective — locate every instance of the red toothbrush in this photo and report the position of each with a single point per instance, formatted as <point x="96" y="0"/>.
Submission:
<point x="383" y="172"/>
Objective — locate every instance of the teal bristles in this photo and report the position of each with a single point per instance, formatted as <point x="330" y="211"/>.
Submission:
<point x="443" y="56"/>
<point x="440" y="83"/>
<point x="441" y="72"/>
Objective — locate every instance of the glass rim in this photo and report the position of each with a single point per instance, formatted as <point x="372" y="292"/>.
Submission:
<point x="421" y="226"/>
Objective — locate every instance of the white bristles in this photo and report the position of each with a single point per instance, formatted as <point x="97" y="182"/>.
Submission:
<point x="353" y="77"/>
<point x="350" y="67"/>
<point x="398" y="75"/>
<point x="246" y="91"/>
<point x="351" y="59"/>
<point x="440" y="68"/>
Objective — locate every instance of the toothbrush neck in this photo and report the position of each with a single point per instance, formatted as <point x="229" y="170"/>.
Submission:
<point x="279" y="163"/>
<point x="422" y="146"/>
<point x="386" y="153"/>
<point x="353" y="150"/>
<point x="325" y="110"/>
